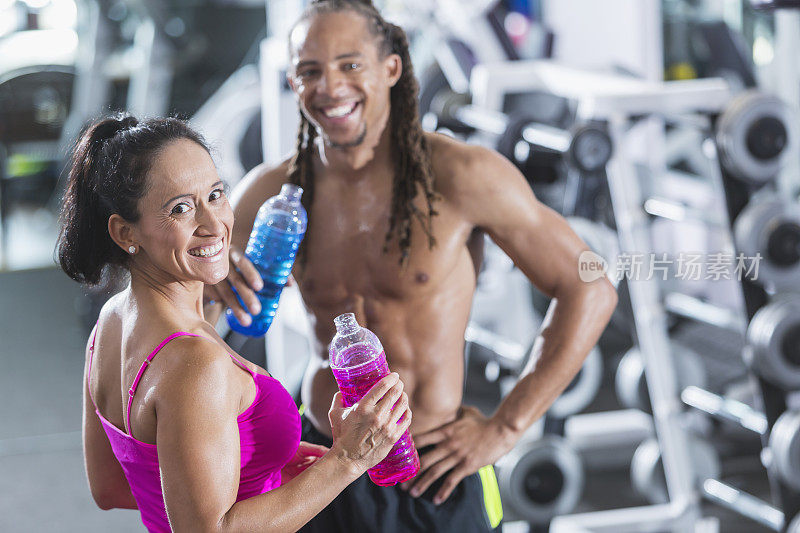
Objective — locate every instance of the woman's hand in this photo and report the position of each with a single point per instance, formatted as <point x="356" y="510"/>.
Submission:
<point x="307" y="454"/>
<point x="364" y="433"/>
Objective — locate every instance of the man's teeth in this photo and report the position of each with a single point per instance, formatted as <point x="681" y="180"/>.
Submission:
<point x="206" y="251"/>
<point x="340" y="111"/>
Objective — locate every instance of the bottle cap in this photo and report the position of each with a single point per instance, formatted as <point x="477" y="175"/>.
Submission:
<point x="346" y="323"/>
<point x="291" y="191"/>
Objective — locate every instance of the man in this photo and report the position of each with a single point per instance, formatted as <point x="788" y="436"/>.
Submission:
<point x="396" y="218"/>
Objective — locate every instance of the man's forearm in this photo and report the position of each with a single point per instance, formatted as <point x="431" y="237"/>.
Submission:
<point x="572" y="326"/>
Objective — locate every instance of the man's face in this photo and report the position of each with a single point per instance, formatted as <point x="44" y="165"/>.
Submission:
<point x="342" y="83"/>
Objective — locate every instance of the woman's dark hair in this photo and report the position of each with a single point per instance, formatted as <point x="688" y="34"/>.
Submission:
<point x="412" y="167"/>
<point x="108" y="174"/>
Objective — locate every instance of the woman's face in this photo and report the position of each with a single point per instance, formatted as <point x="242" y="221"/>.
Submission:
<point x="186" y="221"/>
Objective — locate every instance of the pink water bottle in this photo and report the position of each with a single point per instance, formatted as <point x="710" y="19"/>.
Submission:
<point x="358" y="362"/>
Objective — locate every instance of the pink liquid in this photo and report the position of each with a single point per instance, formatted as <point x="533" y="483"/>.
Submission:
<point x="402" y="463"/>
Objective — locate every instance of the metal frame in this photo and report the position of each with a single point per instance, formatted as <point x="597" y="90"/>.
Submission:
<point x="621" y="101"/>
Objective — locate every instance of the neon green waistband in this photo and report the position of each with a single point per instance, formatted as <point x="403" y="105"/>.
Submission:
<point x="491" y="495"/>
<point x="491" y="492"/>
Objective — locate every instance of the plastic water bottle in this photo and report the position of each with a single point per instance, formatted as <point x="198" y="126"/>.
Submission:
<point x="358" y="362"/>
<point x="279" y="227"/>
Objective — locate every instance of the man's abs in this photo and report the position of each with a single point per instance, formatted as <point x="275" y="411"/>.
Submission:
<point x="418" y="310"/>
<point x="423" y="339"/>
<point x="434" y="390"/>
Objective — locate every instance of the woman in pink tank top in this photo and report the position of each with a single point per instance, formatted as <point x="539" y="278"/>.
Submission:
<point x="176" y="425"/>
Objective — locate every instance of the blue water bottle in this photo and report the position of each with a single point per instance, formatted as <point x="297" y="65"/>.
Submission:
<point x="277" y="232"/>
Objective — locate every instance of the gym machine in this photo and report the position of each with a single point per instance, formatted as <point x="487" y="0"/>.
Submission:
<point x="786" y="72"/>
<point x="37" y="73"/>
<point x="586" y="146"/>
<point x="755" y="135"/>
<point x="231" y="122"/>
<point x="535" y="147"/>
<point x="101" y="60"/>
<point x="620" y="103"/>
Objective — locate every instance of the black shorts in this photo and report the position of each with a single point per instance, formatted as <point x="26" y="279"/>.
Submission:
<point x="473" y="506"/>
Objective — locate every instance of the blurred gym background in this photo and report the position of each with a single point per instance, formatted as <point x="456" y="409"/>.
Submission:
<point x="667" y="132"/>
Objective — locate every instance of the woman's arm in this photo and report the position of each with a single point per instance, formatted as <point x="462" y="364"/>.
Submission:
<point x="307" y="454"/>
<point x="107" y="482"/>
<point x="198" y="448"/>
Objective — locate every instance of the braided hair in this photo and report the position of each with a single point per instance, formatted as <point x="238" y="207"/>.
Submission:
<point x="411" y="155"/>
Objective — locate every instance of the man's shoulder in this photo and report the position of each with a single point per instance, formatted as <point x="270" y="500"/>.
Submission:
<point x="458" y="164"/>
<point x="263" y="181"/>
<point x="448" y="152"/>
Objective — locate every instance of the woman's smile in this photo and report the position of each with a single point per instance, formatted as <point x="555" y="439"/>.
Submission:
<point x="208" y="253"/>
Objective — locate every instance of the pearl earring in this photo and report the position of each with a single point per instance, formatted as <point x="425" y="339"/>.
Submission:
<point x="132" y="249"/>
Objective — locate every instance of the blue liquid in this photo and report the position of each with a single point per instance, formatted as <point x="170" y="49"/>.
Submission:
<point x="272" y="252"/>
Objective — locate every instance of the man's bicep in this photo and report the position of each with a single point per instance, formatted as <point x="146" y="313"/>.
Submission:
<point x="197" y="439"/>
<point x="538" y="239"/>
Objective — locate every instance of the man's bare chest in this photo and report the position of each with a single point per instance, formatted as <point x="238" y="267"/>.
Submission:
<point x="346" y="253"/>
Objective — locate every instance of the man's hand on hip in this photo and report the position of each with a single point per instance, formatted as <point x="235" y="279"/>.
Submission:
<point x="462" y="447"/>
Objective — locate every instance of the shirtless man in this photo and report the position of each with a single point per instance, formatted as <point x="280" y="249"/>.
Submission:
<point x="396" y="218"/>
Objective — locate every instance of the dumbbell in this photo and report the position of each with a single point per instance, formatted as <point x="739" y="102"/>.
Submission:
<point x="784" y="439"/>
<point x="647" y="469"/>
<point x="631" y="385"/>
<point x="755" y="135"/>
<point x="770" y="226"/>
<point x="540" y="479"/>
<point x="784" y="444"/>
<point x="773" y="342"/>
<point x="782" y="455"/>
<point x="586" y="146"/>
<point x="442" y="99"/>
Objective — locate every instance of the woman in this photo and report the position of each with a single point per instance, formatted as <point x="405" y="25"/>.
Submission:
<point x="193" y="436"/>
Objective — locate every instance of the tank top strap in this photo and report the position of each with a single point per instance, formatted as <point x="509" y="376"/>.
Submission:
<point x="242" y="365"/>
<point x="89" y="369"/>
<point x="145" y="364"/>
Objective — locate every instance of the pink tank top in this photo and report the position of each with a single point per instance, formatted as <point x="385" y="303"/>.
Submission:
<point x="269" y="434"/>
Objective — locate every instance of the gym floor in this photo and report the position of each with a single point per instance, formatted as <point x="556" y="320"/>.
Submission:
<point x="42" y="479"/>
